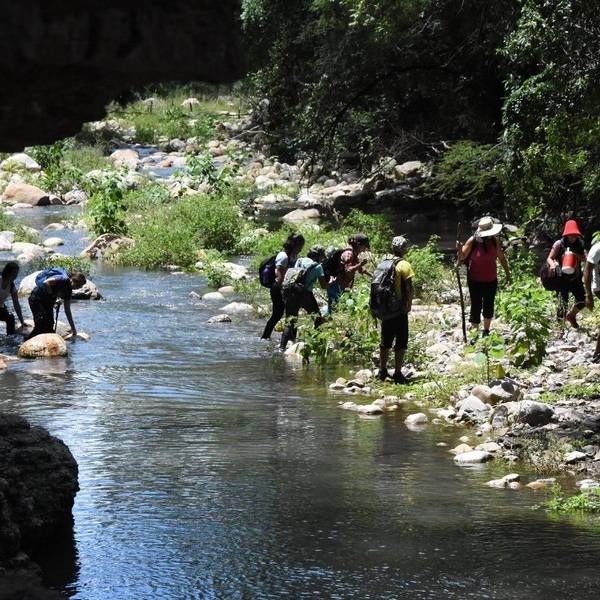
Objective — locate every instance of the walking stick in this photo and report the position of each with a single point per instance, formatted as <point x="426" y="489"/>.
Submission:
<point x="460" y="289"/>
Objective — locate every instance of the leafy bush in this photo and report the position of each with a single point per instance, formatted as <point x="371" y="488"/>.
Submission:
<point x="106" y="208"/>
<point x="173" y="233"/>
<point x="431" y="274"/>
<point x="69" y="263"/>
<point x="527" y="309"/>
<point x="585" y="502"/>
<point x="22" y="233"/>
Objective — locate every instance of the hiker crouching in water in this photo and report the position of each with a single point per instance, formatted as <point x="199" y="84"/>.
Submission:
<point x="52" y="285"/>
<point x="348" y="266"/>
<point x="394" y="315"/>
<point x="285" y="259"/>
<point x="571" y="241"/>
<point x="298" y="291"/>
<point x="480" y="252"/>
<point x="8" y="288"/>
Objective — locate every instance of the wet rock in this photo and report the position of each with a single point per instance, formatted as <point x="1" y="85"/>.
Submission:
<point x="492" y="447"/>
<point x="53" y="242"/>
<point x="38" y="483"/>
<point x="473" y="457"/>
<point x="23" y="193"/>
<point x="220" y="318"/>
<point x="104" y="245"/>
<point x="416" y="419"/>
<point x="46" y="345"/>
<point x="213" y="297"/>
<point x="369" y="409"/>
<point x="295" y="349"/>
<point x="238" y="308"/>
<point x="539" y="484"/>
<point x="350" y="406"/>
<point x="473" y="409"/>
<point x="227" y="290"/>
<point x="54" y="227"/>
<point x="88" y="291"/>
<point x="460" y="449"/>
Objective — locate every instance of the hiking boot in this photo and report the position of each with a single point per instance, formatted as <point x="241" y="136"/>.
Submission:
<point x="399" y="379"/>
<point x="572" y="320"/>
<point x="382" y="375"/>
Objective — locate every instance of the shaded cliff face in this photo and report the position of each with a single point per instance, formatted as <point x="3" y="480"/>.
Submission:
<point x="38" y="483"/>
<point x="62" y="61"/>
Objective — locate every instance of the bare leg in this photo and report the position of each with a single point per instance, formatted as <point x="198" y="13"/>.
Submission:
<point x="384" y="354"/>
<point x="487" y="324"/>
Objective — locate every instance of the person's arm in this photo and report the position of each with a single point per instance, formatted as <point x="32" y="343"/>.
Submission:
<point x="587" y="282"/>
<point x="15" y="298"/>
<point x="67" y="305"/>
<point x="504" y="263"/>
<point x="279" y="275"/>
<point x="551" y="260"/>
<point x="410" y="291"/>
<point x="464" y="249"/>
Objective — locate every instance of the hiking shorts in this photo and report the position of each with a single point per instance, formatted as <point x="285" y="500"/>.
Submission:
<point x="395" y="329"/>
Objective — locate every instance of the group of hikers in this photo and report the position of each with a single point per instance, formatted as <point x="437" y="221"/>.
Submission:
<point x="291" y="280"/>
<point x="52" y="285"/>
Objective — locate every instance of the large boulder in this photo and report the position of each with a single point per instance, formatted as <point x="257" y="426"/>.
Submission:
<point x="104" y="245"/>
<point x="45" y="345"/>
<point x="23" y="193"/>
<point x="301" y="215"/>
<point x="530" y="412"/>
<point x="38" y="483"/>
<point x="22" y="161"/>
<point x="25" y="248"/>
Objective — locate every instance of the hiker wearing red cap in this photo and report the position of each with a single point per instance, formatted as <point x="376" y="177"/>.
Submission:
<point x="564" y="262"/>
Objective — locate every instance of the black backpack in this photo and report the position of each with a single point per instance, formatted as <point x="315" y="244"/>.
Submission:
<point x="332" y="265"/>
<point x="266" y="272"/>
<point x="384" y="302"/>
<point x="294" y="281"/>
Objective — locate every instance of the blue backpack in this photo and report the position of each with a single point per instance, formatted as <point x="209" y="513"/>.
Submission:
<point x="49" y="273"/>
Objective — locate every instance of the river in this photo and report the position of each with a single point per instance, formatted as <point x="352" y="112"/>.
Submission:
<point x="212" y="468"/>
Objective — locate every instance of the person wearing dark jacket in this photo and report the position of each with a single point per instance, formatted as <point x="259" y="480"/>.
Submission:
<point x="8" y="288"/>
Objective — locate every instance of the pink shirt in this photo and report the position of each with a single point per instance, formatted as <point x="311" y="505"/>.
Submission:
<point x="482" y="262"/>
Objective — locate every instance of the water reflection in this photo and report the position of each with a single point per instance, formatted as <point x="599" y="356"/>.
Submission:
<point x="209" y="469"/>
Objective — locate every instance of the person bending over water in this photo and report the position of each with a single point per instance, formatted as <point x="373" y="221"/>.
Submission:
<point x="8" y="288"/>
<point x="53" y="285"/>
<point x="285" y="259"/>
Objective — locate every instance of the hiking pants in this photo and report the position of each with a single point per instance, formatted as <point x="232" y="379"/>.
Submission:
<point x="483" y="295"/>
<point x="42" y="309"/>
<point x="293" y="304"/>
<point x="575" y="287"/>
<point x="9" y="318"/>
<point x="395" y="329"/>
<point x="276" y="313"/>
<point x="334" y="292"/>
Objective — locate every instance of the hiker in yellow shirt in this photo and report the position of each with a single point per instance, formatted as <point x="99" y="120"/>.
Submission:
<point x="396" y="328"/>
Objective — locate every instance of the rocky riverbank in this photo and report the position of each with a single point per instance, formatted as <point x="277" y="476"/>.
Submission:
<point x="546" y="417"/>
<point x="38" y="483"/>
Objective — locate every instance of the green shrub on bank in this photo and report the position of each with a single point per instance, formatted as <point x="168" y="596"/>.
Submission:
<point x="585" y="502"/>
<point x="69" y="263"/>
<point x="431" y="274"/>
<point x="106" y="208"/>
<point x="22" y="233"/>
<point x="173" y="233"/>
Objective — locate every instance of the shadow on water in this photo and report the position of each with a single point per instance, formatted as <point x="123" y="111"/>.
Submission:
<point x="211" y="468"/>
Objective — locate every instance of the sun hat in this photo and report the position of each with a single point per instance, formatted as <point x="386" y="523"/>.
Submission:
<point x="488" y="228"/>
<point x="399" y="243"/>
<point x="571" y="228"/>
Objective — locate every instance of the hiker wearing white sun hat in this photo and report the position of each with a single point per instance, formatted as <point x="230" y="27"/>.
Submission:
<point x="481" y="253"/>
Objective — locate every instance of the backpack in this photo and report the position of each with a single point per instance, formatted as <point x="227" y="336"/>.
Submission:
<point x="332" y="265"/>
<point x="384" y="302"/>
<point x="51" y="273"/>
<point x="553" y="282"/>
<point x="266" y="272"/>
<point x="293" y="282"/>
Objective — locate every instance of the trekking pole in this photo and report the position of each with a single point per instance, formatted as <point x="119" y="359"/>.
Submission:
<point x="460" y="289"/>
<point x="57" y="308"/>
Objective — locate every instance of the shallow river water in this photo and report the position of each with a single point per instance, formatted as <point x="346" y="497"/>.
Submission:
<point x="212" y="468"/>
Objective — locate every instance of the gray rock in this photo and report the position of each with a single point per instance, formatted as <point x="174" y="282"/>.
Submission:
<point x="483" y="392"/>
<point x="575" y="456"/>
<point x="473" y="409"/>
<point x="504" y="390"/>
<point x="220" y="318"/>
<point x="416" y="419"/>
<point x="473" y="457"/>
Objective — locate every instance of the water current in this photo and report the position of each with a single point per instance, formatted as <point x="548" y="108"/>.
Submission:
<point x="211" y="467"/>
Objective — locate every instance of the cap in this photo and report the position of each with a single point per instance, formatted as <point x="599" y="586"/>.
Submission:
<point x="399" y="243"/>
